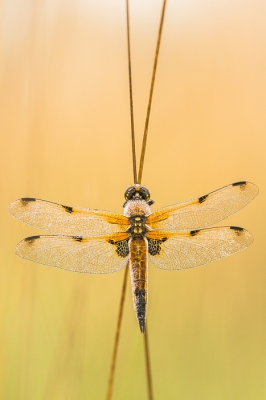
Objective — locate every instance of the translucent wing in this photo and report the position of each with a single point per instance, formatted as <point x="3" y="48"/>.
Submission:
<point x="205" y="210"/>
<point x="60" y="219"/>
<point x="175" y="251"/>
<point x="92" y="255"/>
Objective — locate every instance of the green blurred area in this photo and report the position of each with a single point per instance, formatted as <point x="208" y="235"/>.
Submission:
<point x="65" y="137"/>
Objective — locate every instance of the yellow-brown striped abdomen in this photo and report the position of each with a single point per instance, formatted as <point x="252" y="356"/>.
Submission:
<point x="138" y="250"/>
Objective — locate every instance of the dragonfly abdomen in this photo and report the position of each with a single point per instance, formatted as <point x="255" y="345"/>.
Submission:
<point x="138" y="250"/>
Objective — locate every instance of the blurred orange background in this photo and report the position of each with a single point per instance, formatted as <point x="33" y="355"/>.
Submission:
<point x="65" y="137"/>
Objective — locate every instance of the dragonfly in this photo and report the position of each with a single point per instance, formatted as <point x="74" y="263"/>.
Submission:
<point x="175" y="237"/>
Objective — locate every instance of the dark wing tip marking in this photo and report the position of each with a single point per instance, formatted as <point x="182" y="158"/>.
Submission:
<point x="77" y="238"/>
<point x="193" y="233"/>
<point x="237" y="228"/>
<point x="68" y="209"/>
<point x="203" y="198"/>
<point x="26" y="200"/>
<point x="242" y="183"/>
<point x="31" y="239"/>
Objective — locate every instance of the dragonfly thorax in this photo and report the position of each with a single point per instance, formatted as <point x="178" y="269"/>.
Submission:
<point x="136" y="208"/>
<point x="138" y="227"/>
<point x="137" y="212"/>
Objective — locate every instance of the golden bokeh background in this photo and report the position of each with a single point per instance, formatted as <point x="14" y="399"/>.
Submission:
<point x="65" y="137"/>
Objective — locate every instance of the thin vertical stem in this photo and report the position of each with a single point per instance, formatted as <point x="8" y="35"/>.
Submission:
<point x="117" y="335"/>
<point x="136" y="180"/>
<point x="150" y="95"/>
<point x="148" y="364"/>
<point x="131" y="99"/>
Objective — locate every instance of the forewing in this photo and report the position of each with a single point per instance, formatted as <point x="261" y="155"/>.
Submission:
<point x="205" y="210"/>
<point x="64" y="220"/>
<point x="92" y="255"/>
<point x="173" y="251"/>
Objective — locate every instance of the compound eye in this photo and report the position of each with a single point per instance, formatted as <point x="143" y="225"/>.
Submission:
<point x="145" y="193"/>
<point x="129" y="193"/>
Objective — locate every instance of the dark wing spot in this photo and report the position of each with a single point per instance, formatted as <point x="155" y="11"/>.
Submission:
<point x="242" y="183"/>
<point x="77" y="238"/>
<point x="203" y="198"/>
<point x="236" y="228"/>
<point x="154" y="246"/>
<point x="122" y="248"/>
<point x="26" y="200"/>
<point x="193" y="233"/>
<point x="31" y="239"/>
<point x="68" y="209"/>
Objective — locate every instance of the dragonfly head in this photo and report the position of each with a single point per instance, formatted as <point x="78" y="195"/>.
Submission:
<point x="138" y="192"/>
